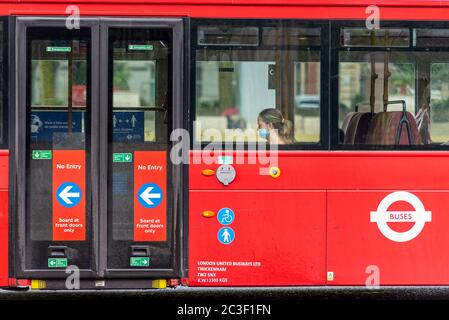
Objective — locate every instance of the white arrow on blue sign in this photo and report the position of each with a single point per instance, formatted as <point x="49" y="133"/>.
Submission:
<point x="68" y="194"/>
<point x="150" y="195"/>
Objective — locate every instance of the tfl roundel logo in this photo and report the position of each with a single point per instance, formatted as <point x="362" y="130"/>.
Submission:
<point x="419" y="216"/>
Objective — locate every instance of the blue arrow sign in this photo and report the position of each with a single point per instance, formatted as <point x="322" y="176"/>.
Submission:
<point x="225" y="216"/>
<point x="68" y="194"/>
<point x="149" y="195"/>
<point x="226" y="235"/>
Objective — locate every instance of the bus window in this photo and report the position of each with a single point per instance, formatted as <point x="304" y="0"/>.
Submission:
<point x="3" y="115"/>
<point x="384" y="37"/>
<point x="307" y="101"/>
<point x="439" y="102"/>
<point x="393" y="96"/>
<point x="59" y="121"/>
<point x="134" y="92"/>
<point x="242" y="71"/>
<point x="355" y="83"/>
<point x="2" y="125"/>
<point x="376" y="92"/>
<point x="140" y="116"/>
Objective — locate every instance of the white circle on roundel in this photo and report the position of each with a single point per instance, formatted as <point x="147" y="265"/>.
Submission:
<point x="382" y="216"/>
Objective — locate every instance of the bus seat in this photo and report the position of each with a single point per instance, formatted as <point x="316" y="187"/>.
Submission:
<point x="358" y="128"/>
<point x="385" y="125"/>
<point x="347" y="120"/>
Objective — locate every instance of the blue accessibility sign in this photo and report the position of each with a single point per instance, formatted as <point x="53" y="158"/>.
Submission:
<point x="225" y="216"/>
<point x="226" y="235"/>
<point x="150" y="195"/>
<point x="68" y="194"/>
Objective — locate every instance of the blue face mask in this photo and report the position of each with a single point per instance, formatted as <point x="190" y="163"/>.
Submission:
<point x="263" y="133"/>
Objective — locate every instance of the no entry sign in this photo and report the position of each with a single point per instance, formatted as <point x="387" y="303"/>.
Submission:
<point x="69" y="195"/>
<point x="150" y="199"/>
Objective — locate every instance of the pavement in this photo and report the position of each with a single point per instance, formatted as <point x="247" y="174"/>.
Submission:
<point x="242" y="293"/>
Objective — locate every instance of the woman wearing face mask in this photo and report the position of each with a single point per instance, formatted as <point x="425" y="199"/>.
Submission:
<point x="273" y="127"/>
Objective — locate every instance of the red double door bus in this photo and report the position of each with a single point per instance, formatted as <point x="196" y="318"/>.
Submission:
<point x="131" y="150"/>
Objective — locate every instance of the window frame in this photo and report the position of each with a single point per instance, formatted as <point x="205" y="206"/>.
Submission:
<point x="6" y="122"/>
<point x="337" y="47"/>
<point x="323" y="48"/>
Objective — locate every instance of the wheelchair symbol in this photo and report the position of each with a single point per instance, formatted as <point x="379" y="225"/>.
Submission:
<point x="225" y="216"/>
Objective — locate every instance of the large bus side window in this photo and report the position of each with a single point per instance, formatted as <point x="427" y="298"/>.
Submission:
<point x="242" y="70"/>
<point x="393" y="88"/>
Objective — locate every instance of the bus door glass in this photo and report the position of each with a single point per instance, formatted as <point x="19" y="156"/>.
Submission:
<point x="140" y="183"/>
<point x="58" y="170"/>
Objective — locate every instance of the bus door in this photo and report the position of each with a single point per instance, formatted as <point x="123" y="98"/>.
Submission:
<point x="96" y="106"/>
<point x="142" y="186"/>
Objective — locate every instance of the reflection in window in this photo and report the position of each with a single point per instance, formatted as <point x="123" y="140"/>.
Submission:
<point x="439" y="102"/>
<point x="134" y="88"/>
<point x="59" y="115"/>
<point x="363" y="37"/>
<point x="233" y="85"/>
<point x="430" y="37"/>
<point x="50" y="83"/>
<point x="230" y="96"/>
<point x="307" y="101"/>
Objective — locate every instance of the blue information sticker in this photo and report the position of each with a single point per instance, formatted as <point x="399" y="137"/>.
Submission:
<point x="44" y="124"/>
<point x="128" y="126"/>
<point x="225" y="216"/>
<point x="226" y="235"/>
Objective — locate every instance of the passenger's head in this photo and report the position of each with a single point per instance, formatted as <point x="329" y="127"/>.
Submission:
<point x="271" y="122"/>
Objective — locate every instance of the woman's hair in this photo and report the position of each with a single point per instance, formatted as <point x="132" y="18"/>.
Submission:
<point x="283" y="126"/>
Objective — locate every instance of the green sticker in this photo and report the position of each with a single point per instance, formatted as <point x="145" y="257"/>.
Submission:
<point x="59" y="49"/>
<point x="41" y="154"/>
<point x="140" y="262"/>
<point x="142" y="47"/>
<point x="57" y="262"/>
<point x="122" y="157"/>
<point x="225" y="160"/>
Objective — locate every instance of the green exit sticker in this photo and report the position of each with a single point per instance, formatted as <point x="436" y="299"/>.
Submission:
<point x="57" y="262"/>
<point x="140" y="262"/>
<point x="41" y="154"/>
<point x="225" y="160"/>
<point x="59" y="49"/>
<point x="142" y="47"/>
<point x="122" y="157"/>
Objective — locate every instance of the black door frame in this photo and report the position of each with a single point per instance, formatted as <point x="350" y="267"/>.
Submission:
<point x="176" y="25"/>
<point x="99" y="140"/>
<point x="20" y="152"/>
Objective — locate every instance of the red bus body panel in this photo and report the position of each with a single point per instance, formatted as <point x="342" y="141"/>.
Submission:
<point x="355" y="244"/>
<point x="349" y="170"/>
<point x="344" y="187"/>
<point x="314" y="220"/>
<point x="279" y="238"/>
<point x="295" y="9"/>
<point x="4" y="219"/>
